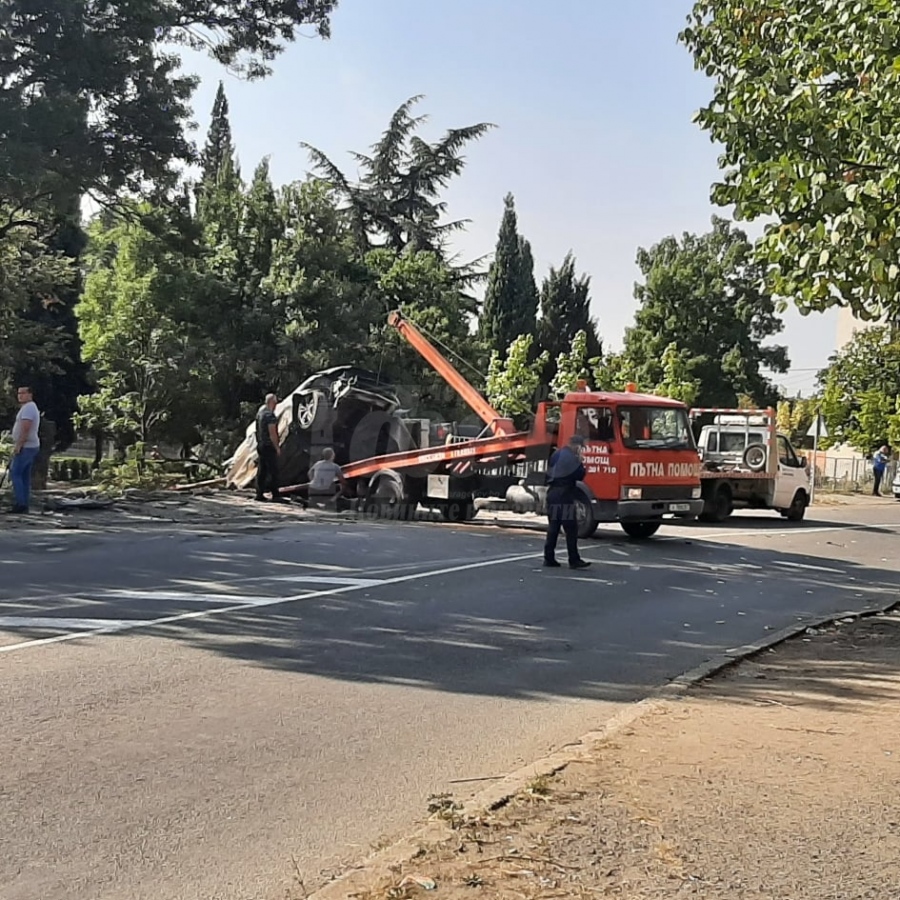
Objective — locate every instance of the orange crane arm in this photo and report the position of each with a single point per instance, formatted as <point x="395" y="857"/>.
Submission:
<point x="473" y="398"/>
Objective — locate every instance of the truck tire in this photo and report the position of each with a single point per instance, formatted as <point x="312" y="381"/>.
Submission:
<point x="797" y="510"/>
<point x="755" y="457"/>
<point x="640" y="530"/>
<point x="386" y="501"/>
<point x="584" y="515"/>
<point x="720" y="506"/>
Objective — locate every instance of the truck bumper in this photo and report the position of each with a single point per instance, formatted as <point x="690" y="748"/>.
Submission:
<point x="654" y="509"/>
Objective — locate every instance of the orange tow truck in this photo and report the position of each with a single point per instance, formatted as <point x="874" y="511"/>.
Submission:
<point x="641" y="459"/>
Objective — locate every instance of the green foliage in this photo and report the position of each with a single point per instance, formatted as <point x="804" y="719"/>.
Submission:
<point x="566" y="310"/>
<point x="32" y="276"/>
<point x="613" y="371"/>
<point x="795" y="417"/>
<point x="513" y="381"/>
<point x="861" y="391"/>
<point x="703" y="295"/>
<point x="806" y="102"/>
<point x="677" y="381"/>
<point x="133" y="316"/>
<point x="572" y="367"/>
<point x="396" y="203"/>
<point x="92" y="101"/>
<point x="511" y="297"/>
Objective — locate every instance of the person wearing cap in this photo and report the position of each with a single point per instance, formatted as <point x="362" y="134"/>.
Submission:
<point x="565" y="471"/>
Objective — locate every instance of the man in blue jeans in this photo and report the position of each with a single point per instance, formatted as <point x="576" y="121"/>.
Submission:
<point x="26" y="447"/>
<point x="563" y="475"/>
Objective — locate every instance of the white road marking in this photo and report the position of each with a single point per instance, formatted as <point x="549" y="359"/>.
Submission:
<point x="727" y="533"/>
<point x="120" y="627"/>
<point x="63" y="624"/>
<point x="323" y="579"/>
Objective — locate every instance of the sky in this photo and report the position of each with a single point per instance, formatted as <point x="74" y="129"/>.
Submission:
<point x="593" y="102"/>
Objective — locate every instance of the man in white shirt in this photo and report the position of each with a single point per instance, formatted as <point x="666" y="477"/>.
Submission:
<point x="26" y="447"/>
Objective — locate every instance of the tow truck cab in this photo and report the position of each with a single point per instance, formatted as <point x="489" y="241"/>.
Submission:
<point x="640" y="459"/>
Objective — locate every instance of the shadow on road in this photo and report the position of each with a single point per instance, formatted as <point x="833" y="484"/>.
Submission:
<point x="642" y="615"/>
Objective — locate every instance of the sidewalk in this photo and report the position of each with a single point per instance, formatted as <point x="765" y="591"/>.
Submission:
<point x="778" y="779"/>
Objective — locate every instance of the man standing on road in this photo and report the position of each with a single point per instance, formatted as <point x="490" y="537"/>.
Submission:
<point x="879" y="464"/>
<point x="26" y="447"/>
<point x="566" y="470"/>
<point x="268" y="450"/>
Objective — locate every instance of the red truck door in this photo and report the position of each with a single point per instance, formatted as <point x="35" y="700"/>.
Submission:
<point x="595" y="422"/>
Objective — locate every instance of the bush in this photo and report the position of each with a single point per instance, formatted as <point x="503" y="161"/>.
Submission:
<point x="70" y="468"/>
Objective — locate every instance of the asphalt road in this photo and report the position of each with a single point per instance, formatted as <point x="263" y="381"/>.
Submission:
<point x="208" y="717"/>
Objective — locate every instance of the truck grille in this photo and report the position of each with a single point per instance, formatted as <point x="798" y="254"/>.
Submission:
<point x="668" y="492"/>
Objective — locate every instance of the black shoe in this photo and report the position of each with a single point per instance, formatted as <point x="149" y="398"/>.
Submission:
<point x="551" y="564"/>
<point x="19" y="510"/>
<point x="279" y="499"/>
<point x="261" y="499"/>
<point x="581" y="564"/>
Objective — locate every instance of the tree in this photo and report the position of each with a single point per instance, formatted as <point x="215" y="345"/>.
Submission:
<point x="321" y="308"/>
<point x="150" y="370"/>
<point x="33" y="275"/>
<point x="514" y="379"/>
<point x="396" y="202"/>
<point x="795" y="416"/>
<point x="90" y="101"/>
<point x="861" y="391"/>
<point x="511" y="298"/>
<point x="566" y="310"/>
<point x="806" y="102"/>
<point x="677" y="381"/>
<point x="702" y="301"/>
<point x="571" y="367"/>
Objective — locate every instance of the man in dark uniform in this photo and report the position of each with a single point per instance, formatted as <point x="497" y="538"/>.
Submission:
<point x="566" y="470"/>
<point x="268" y="450"/>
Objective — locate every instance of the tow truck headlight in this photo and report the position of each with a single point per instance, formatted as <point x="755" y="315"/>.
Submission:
<point x="696" y="493"/>
<point x="634" y="493"/>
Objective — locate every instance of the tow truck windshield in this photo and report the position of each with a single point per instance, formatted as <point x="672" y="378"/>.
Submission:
<point x="655" y="428"/>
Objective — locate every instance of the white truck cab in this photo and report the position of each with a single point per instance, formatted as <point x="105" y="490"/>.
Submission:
<point x="746" y="463"/>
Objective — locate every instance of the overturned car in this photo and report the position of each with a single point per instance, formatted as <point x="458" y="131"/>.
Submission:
<point x="355" y="412"/>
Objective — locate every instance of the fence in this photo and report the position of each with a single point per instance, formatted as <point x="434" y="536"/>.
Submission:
<point x="849" y="475"/>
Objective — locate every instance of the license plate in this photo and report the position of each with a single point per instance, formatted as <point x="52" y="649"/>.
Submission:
<point x="679" y="507"/>
<point x="439" y="487"/>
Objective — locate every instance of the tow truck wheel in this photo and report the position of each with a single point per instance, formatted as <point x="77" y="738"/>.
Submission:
<point x="386" y="501"/>
<point x="797" y="510"/>
<point x="584" y="515"/>
<point x="640" y="530"/>
<point x="722" y="505"/>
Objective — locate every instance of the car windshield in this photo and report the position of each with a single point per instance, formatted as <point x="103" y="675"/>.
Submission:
<point x="655" y="427"/>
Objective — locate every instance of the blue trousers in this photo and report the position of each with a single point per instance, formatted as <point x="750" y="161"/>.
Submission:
<point x="20" y="474"/>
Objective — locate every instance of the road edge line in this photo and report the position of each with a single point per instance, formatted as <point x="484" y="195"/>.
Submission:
<point x="382" y="863"/>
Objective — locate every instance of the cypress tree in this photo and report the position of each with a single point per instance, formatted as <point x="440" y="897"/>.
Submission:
<point x="566" y="310"/>
<point x="511" y="299"/>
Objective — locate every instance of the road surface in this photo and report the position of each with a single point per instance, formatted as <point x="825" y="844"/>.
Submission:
<point x="213" y="717"/>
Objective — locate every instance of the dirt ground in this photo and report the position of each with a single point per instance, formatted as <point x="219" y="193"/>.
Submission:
<point x="780" y="778"/>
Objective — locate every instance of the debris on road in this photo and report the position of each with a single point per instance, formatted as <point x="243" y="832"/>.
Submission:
<point x="727" y="793"/>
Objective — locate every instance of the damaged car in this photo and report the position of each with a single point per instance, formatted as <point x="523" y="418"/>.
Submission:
<point x="354" y="411"/>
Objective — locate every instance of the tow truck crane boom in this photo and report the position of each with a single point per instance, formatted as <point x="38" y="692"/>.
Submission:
<point x="498" y="424"/>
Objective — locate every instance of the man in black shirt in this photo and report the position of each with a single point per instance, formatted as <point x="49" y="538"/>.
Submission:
<point x="268" y="450"/>
<point x="564" y="473"/>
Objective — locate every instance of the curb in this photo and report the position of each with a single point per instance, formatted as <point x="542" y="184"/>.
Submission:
<point x="354" y="881"/>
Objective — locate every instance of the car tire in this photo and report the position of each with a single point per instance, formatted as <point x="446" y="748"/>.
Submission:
<point x="584" y="515"/>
